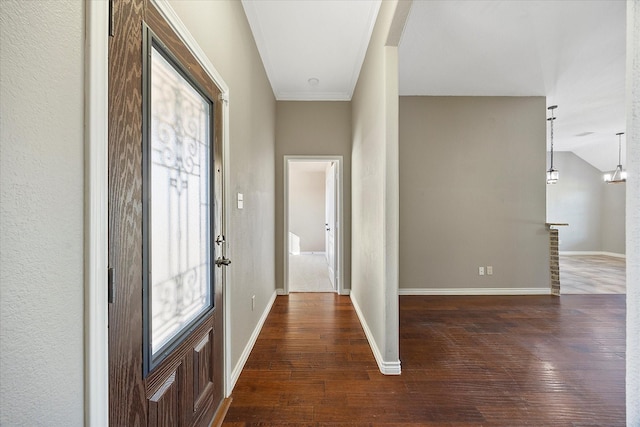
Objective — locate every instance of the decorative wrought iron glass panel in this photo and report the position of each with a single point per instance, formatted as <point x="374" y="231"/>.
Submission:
<point x="178" y="213"/>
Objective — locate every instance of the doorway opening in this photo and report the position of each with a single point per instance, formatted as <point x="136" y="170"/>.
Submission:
<point x="313" y="249"/>
<point x="590" y="251"/>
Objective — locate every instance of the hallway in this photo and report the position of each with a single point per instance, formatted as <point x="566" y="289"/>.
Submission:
<point x="491" y="361"/>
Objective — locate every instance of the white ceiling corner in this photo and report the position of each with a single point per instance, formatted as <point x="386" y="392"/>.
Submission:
<point x="323" y="39"/>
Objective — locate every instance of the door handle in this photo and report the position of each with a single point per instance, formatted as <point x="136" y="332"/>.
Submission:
<point x="222" y="261"/>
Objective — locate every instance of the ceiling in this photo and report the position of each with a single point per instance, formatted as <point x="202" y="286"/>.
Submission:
<point x="572" y="52"/>
<point x="301" y="40"/>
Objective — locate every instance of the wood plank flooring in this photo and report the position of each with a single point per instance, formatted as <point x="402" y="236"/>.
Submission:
<point x="592" y="274"/>
<point x="466" y="361"/>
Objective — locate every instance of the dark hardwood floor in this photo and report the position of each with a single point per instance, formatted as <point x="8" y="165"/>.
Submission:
<point x="466" y="361"/>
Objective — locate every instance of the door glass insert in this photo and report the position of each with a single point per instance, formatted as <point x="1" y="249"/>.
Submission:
<point x="178" y="216"/>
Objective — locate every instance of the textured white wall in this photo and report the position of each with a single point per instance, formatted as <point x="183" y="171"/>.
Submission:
<point x="374" y="282"/>
<point x="633" y="213"/>
<point x="41" y="213"/>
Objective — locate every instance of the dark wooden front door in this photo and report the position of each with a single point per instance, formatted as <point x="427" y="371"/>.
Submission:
<point x="160" y="378"/>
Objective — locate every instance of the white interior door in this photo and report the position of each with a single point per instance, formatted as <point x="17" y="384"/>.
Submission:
<point x="330" y="221"/>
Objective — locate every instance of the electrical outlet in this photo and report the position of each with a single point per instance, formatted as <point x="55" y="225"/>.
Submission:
<point x="481" y="271"/>
<point x="489" y="270"/>
<point x="253" y="302"/>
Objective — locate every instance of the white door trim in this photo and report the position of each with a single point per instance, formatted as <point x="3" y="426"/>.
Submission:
<point x="96" y="115"/>
<point x="96" y="84"/>
<point x="331" y="182"/>
<point x="340" y="219"/>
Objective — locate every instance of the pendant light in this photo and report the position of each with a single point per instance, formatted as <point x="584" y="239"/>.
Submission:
<point x="552" y="173"/>
<point x="618" y="175"/>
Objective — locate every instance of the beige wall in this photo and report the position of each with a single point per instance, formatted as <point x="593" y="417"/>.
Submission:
<point x="576" y="199"/>
<point x="472" y="192"/>
<point x="41" y="213"/>
<point x="230" y="46"/>
<point x="307" y="208"/>
<point x="613" y="218"/>
<point x="594" y="210"/>
<point x="306" y="129"/>
<point x="374" y="278"/>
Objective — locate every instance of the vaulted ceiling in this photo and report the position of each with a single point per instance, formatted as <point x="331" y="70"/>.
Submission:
<point x="572" y="52"/>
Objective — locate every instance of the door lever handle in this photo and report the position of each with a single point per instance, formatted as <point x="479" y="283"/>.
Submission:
<point x="222" y="261"/>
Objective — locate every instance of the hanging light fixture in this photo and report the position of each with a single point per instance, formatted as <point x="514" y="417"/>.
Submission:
<point x="618" y="175"/>
<point x="552" y="173"/>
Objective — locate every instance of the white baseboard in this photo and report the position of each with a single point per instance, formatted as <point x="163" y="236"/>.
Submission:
<point x="390" y="368"/>
<point x="280" y="291"/>
<point x="474" y="291"/>
<point x="386" y="368"/>
<point x="600" y="253"/>
<point x="235" y="374"/>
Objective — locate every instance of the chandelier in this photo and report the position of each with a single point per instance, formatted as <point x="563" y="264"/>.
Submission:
<point x="618" y="175"/>
<point x="552" y="173"/>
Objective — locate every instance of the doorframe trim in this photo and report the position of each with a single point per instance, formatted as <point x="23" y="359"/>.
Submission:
<point x="96" y="116"/>
<point x="190" y="42"/>
<point x="340" y="197"/>
<point x="96" y="241"/>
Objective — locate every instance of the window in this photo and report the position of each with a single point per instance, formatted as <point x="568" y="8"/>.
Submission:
<point x="177" y="186"/>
